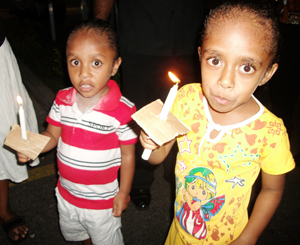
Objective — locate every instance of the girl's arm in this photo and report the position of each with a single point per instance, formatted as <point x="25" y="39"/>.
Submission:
<point x="159" y="153"/>
<point x="126" y="175"/>
<point x="264" y="208"/>
<point x="54" y="133"/>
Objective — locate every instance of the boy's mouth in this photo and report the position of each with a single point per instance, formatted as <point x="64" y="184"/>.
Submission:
<point x="86" y="87"/>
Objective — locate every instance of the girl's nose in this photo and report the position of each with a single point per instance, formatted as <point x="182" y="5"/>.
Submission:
<point x="227" y="78"/>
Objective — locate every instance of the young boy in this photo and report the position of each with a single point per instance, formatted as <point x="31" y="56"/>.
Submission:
<point x="89" y="123"/>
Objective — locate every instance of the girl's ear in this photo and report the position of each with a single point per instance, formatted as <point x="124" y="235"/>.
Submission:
<point x="199" y="52"/>
<point x="116" y="66"/>
<point x="269" y="73"/>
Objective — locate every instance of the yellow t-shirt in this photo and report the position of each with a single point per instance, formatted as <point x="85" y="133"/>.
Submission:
<point x="214" y="177"/>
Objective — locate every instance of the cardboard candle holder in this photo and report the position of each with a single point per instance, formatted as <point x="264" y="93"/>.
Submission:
<point x="31" y="147"/>
<point x="160" y="131"/>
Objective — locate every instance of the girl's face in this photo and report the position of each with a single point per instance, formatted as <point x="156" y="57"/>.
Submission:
<point x="197" y="192"/>
<point x="90" y="63"/>
<point x="234" y="62"/>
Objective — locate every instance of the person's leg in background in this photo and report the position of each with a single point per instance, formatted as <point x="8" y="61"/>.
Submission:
<point x="15" y="230"/>
<point x="145" y="79"/>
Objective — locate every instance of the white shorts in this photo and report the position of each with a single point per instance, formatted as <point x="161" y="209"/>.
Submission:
<point x="78" y="224"/>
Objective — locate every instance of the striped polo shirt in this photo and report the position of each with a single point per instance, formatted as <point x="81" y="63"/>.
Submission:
<point x="88" y="151"/>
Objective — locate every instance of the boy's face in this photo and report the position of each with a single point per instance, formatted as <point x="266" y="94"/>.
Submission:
<point x="234" y="62"/>
<point x="90" y="64"/>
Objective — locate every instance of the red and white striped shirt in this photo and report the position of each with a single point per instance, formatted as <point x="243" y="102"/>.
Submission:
<point x="88" y="151"/>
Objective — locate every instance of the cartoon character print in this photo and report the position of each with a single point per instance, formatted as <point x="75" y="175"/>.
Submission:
<point x="200" y="185"/>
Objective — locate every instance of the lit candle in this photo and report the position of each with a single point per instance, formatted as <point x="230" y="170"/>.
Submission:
<point x="22" y="118"/>
<point x="170" y="98"/>
<point x="166" y="108"/>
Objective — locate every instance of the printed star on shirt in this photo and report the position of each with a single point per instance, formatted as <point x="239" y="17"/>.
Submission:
<point x="185" y="145"/>
<point x="236" y="181"/>
<point x="182" y="165"/>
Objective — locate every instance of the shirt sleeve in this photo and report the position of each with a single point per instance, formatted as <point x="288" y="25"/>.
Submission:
<point x="53" y="117"/>
<point x="279" y="160"/>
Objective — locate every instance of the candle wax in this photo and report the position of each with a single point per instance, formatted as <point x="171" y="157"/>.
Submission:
<point x="168" y="103"/>
<point x="22" y="123"/>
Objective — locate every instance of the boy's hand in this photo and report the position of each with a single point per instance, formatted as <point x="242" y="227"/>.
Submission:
<point x="146" y="142"/>
<point x="120" y="204"/>
<point x="22" y="157"/>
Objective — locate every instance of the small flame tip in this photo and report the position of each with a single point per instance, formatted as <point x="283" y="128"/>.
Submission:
<point x="173" y="77"/>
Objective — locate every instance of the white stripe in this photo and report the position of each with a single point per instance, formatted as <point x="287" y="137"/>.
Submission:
<point x="88" y="159"/>
<point x="126" y="102"/>
<point x="93" y="121"/>
<point x="91" y="192"/>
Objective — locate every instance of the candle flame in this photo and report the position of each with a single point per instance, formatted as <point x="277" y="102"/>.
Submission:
<point x="19" y="99"/>
<point x="173" y="77"/>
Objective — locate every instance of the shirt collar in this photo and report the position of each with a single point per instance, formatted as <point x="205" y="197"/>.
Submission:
<point x="108" y="102"/>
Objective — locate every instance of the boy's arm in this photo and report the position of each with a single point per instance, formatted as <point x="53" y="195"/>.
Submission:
<point x="159" y="153"/>
<point x="126" y="175"/>
<point x="264" y="208"/>
<point x="54" y="133"/>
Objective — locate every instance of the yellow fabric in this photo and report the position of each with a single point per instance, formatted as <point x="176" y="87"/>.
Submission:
<point x="213" y="188"/>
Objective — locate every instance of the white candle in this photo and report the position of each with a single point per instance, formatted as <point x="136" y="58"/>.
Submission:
<point x="22" y="119"/>
<point x="168" y="103"/>
<point x="166" y="108"/>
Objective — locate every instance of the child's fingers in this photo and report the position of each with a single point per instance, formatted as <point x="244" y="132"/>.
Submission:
<point x="147" y="142"/>
<point x="116" y="211"/>
<point x="22" y="157"/>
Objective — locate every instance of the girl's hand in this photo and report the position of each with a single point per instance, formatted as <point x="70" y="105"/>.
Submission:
<point x="120" y="203"/>
<point x="146" y="142"/>
<point x="22" y="158"/>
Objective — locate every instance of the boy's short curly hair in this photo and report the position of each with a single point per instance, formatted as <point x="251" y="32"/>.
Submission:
<point x="99" y="27"/>
<point x="261" y="12"/>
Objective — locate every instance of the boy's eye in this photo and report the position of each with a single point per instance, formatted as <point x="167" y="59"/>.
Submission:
<point x="214" y="62"/>
<point x="74" y="62"/>
<point x="247" y="69"/>
<point x="96" y="63"/>
<point x="203" y="192"/>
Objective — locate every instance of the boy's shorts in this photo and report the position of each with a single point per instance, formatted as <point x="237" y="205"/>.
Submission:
<point x="78" y="224"/>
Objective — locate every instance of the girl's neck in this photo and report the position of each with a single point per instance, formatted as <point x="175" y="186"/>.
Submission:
<point x="238" y="115"/>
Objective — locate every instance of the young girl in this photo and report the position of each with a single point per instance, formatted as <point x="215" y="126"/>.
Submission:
<point x="90" y="124"/>
<point x="232" y="134"/>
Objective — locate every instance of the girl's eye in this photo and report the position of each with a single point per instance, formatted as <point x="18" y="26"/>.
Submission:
<point x="97" y="63"/>
<point x="203" y="192"/>
<point x="74" y="62"/>
<point x="248" y="69"/>
<point x="193" y="187"/>
<point x="214" y="62"/>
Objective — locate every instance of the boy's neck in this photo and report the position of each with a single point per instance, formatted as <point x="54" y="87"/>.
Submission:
<point x="238" y="115"/>
<point x="86" y="103"/>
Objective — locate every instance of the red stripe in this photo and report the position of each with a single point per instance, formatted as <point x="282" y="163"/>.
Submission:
<point x="84" y="139"/>
<point x="87" y="177"/>
<point x="129" y="142"/>
<point x="51" y="121"/>
<point x="84" y="203"/>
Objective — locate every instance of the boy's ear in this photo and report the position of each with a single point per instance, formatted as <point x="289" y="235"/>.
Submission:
<point x="116" y="66"/>
<point x="199" y="52"/>
<point x="269" y="73"/>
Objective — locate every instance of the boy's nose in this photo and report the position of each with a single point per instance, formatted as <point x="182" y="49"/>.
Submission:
<point x="227" y="78"/>
<point x="84" y="71"/>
